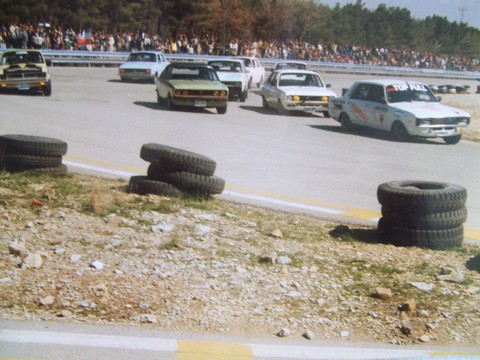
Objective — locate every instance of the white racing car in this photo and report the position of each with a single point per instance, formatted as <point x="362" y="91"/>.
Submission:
<point x="233" y="74"/>
<point x="294" y="90"/>
<point x="404" y="108"/>
<point x="143" y="66"/>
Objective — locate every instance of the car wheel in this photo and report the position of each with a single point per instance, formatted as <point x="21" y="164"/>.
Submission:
<point x="159" y="99"/>
<point x="222" y="109"/>
<point x="170" y="105"/>
<point x="345" y="122"/>
<point x="243" y="96"/>
<point x="168" y="159"/>
<point x="420" y="197"/>
<point x="265" y="103"/>
<point x="399" y="132"/>
<point x="47" y="89"/>
<point x="452" y="140"/>
<point x="250" y="83"/>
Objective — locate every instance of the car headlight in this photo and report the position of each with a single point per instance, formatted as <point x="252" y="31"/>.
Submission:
<point x="420" y="122"/>
<point x="219" y="93"/>
<point x="325" y="98"/>
<point x="293" y="98"/>
<point x="180" y="92"/>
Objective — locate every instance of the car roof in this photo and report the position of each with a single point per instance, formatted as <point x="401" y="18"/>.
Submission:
<point x="238" y="61"/>
<point x="146" y="52"/>
<point x="187" y="65"/>
<point x="386" y="82"/>
<point x="296" y="71"/>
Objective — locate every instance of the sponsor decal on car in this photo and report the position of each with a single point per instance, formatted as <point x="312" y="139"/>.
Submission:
<point x="359" y="112"/>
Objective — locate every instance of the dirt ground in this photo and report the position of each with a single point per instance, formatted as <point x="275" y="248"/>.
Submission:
<point x="79" y="249"/>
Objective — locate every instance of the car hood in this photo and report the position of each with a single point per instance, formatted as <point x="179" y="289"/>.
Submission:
<point x="197" y="85"/>
<point x="307" y="91"/>
<point x="137" y="65"/>
<point x="423" y="110"/>
<point x="228" y="76"/>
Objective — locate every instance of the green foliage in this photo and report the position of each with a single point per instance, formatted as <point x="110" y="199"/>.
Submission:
<point x="305" y="20"/>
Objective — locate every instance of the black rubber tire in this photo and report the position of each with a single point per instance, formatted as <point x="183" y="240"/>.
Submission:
<point x="399" y="132"/>
<point x="60" y="170"/>
<point x="222" y="109"/>
<point x="433" y="221"/>
<point x="146" y="187"/>
<point x="132" y="186"/>
<point x="33" y="145"/>
<point x="452" y="140"/>
<point x="420" y="197"/>
<point x="346" y="123"/>
<point x="264" y="103"/>
<point x="169" y="103"/>
<point x="19" y="162"/>
<point x="243" y="96"/>
<point x="194" y="183"/>
<point x="430" y="239"/>
<point x="47" y="89"/>
<point x="175" y="159"/>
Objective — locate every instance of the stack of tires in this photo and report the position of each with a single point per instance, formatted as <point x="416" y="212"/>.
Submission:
<point x="174" y="172"/>
<point x="420" y="213"/>
<point x="34" y="154"/>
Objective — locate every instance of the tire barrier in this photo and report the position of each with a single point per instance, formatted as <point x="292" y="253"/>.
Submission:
<point x="173" y="172"/>
<point x="420" y="213"/>
<point x="35" y="154"/>
<point x="451" y="89"/>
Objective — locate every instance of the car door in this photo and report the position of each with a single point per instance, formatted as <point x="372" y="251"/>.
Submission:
<point x="163" y="85"/>
<point x="270" y="90"/>
<point x="376" y="107"/>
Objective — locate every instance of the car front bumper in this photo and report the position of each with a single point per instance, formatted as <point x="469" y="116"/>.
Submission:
<point x="309" y="107"/>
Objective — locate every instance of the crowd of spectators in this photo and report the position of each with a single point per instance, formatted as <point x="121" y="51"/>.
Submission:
<point x="44" y="36"/>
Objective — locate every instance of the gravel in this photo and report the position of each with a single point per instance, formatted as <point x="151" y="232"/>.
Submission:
<point x="220" y="267"/>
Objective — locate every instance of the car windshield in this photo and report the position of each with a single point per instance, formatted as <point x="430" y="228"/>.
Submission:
<point x="142" y="57"/>
<point x="292" y="66"/>
<point x="226" y="66"/>
<point x="294" y="79"/>
<point x="409" y="92"/>
<point x="193" y="73"/>
<point x="17" y="57"/>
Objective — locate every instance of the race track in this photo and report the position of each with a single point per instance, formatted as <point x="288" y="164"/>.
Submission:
<point x="305" y="163"/>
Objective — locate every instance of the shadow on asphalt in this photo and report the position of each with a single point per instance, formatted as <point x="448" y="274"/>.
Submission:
<point x="372" y="134"/>
<point x="155" y="106"/>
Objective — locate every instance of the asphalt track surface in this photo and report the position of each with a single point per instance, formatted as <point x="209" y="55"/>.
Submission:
<point x="300" y="163"/>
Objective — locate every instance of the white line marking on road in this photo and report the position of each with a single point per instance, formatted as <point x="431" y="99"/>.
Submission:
<point x="124" y="174"/>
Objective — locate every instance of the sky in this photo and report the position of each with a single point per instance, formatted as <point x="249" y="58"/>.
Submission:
<point x="420" y="9"/>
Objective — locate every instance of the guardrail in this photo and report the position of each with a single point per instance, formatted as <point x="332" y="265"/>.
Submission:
<point x="103" y="58"/>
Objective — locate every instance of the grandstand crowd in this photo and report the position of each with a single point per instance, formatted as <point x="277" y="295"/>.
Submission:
<point x="44" y="36"/>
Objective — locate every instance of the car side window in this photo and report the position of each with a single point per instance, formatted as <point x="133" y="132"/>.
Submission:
<point x="376" y="94"/>
<point x="361" y="92"/>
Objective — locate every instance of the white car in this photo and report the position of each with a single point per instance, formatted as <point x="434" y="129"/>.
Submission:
<point x="404" y="108"/>
<point x="143" y="66"/>
<point x="254" y="69"/>
<point x="232" y="73"/>
<point x="296" y="91"/>
<point x="291" y="64"/>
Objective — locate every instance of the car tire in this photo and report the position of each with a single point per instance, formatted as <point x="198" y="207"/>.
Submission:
<point x="346" y="123"/>
<point x="452" y="140"/>
<point x="175" y="159"/>
<point x="153" y="187"/>
<point x="194" y="183"/>
<point x="250" y="83"/>
<point x="265" y="103"/>
<point x="47" y="89"/>
<point x="243" y="96"/>
<point x="222" y="109"/>
<point x="32" y="145"/>
<point x="169" y="103"/>
<point x="432" y="239"/>
<point x="159" y="99"/>
<point x="399" y="132"/>
<point x="20" y="162"/>
<point x="429" y="221"/>
<point x="420" y="197"/>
